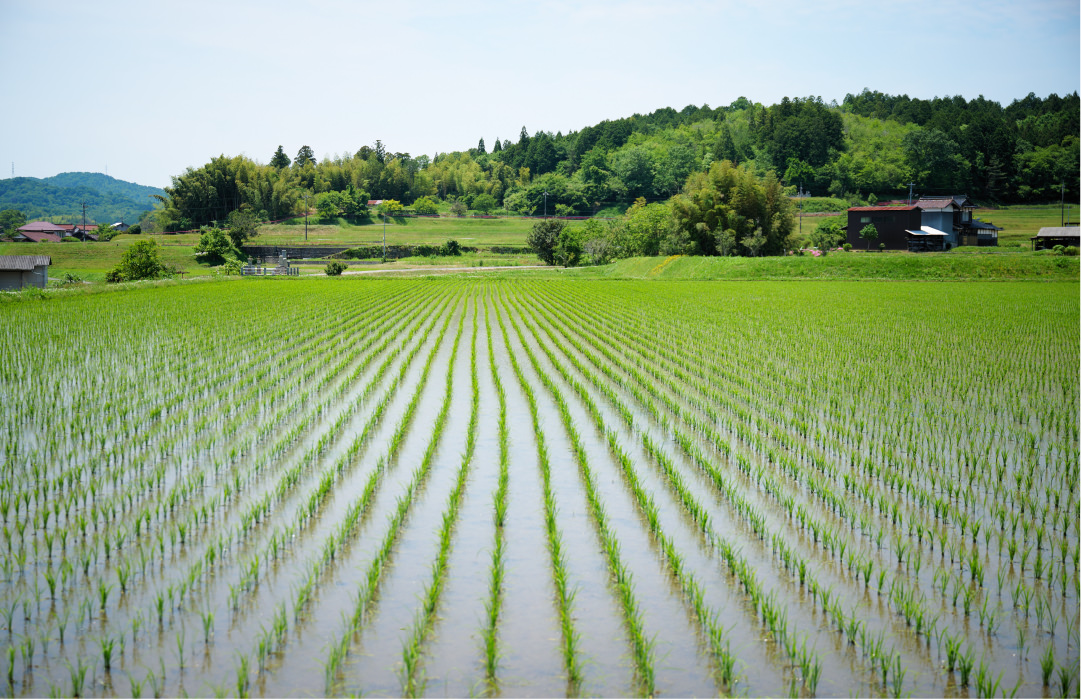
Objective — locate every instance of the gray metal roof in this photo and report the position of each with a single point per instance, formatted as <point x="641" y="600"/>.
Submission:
<point x="24" y="263"/>
<point x="1059" y="232"/>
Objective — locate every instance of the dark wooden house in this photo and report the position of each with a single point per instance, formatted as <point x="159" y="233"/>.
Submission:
<point x="891" y="222"/>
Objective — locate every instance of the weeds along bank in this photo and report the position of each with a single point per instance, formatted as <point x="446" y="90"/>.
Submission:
<point x="542" y="486"/>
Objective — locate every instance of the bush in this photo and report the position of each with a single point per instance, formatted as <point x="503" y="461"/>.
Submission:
<point x="484" y="203"/>
<point x="216" y="246"/>
<point x="544" y="238"/>
<point x="1070" y="251"/>
<point x="451" y="248"/>
<point x="847" y="247"/>
<point x="425" y="206"/>
<point x="140" y="261"/>
<point x="335" y="268"/>
<point x="135" y="230"/>
<point x="231" y="267"/>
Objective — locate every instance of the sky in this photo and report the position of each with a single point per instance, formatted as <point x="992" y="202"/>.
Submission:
<point x="145" y="90"/>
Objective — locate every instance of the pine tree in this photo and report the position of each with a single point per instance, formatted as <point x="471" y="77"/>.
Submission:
<point x="305" y="156"/>
<point x="480" y="147"/>
<point x="497" y="147"/>
<point x="280" y="159"/>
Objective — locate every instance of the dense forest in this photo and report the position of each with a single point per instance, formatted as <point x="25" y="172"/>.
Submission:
<point x="871" y="143"/>
<point x="60" y="198"/>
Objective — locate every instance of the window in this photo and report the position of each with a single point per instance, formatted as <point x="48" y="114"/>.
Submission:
<point x="865" y="219"/>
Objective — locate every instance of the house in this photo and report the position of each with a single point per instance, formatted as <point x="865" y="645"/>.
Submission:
<point x="932" y="223"/>
<point x="38" y="232"/>
<point x="953" y="216"/>
<point x="17" y="271"/>
<point x="120" y="226"/>
<point x="87" y="231"/>
<point x="1051" y="236"/>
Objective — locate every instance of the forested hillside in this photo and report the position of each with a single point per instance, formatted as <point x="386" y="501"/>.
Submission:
<point x="871" y="144"/>
<point x="60" y="198"/>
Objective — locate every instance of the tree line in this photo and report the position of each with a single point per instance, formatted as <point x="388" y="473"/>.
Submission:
<point x="870" y="144"/>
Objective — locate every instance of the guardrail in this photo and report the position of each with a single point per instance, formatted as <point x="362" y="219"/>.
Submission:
<point x="251" y="271"/>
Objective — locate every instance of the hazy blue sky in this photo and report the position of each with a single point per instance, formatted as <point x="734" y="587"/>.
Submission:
<point x="150" y="88"/>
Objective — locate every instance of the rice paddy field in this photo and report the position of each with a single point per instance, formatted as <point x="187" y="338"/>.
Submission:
<point x="541" y="487"/>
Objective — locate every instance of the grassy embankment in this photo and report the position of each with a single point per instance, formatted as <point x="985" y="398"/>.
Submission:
<point x="847" y="266"/>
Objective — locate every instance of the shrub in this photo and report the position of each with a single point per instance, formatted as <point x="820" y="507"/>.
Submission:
<point x="451" y="248"/>
<point x="140" y="261"/>
<point x="1070" y="251"/>
<point x="484" y="203"/>
<point x="232" y="267"/>
<point x="216" y="246"/>
<point x="425" y="206"/>
<point x="847" y="247"/>
<point x="334" y="269"/>
<point x="544" y="238"/>
<point x="135" y="230"/>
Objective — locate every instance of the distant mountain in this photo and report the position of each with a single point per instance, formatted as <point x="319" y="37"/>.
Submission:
<point x="59" y="198"/>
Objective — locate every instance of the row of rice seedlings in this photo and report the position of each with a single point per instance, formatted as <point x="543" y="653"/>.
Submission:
<point x="624" y="579"/>
<point x="706" y="617"/>
<point x="564" y="596"/>
<point x="273" y="639"/>
<point x="306" y="512"/>
<point x="412" y="681"/>
<point x="158" y="603"/>
<point x="975" y="573"/>
<point x="172" y="498"/>
<point x="494" y="604"/>
<point x="368" y="588"/>
<point x="812" y="669"/>
<point x="842" y="553"/>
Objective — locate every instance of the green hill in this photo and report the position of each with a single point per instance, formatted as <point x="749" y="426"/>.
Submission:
<point x="60" y="198"/>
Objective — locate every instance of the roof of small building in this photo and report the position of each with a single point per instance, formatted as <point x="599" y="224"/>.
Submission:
<point x="1059" y="232"/>
<point x="40" y="237"/>
<point x="926" y="230"/>
<point x="929" y="203"/>
<point x="883" y="208"/>
<point x="983" y="225"/>
<point x="40" y="227"/>
<point x="24" y="263"/>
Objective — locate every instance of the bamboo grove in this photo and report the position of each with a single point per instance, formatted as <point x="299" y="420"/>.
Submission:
<point x="461" y="487"/>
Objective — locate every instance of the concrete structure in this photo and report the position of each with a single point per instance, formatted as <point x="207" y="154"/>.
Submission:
<point x="17" y="271"/>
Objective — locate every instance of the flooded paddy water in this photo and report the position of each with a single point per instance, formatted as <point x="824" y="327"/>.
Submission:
<point x="537" y="488"/>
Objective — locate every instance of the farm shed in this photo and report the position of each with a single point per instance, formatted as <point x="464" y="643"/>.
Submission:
<point x="1056" y="235"/>
<point x="17" y="271"/>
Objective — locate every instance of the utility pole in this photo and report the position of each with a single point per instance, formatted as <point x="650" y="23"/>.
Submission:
<point x="305" y="217"/>
<point x="384" y="236"/>
<point x="910" y="186"/>
<point x="84" y="223"/>
<point x="801" y="209"/>
<point x="546" y="206"/>
<point x="1062" y="206"/>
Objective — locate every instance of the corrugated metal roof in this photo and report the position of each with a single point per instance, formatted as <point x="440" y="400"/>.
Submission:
<point x="1059" y="232"/>
<point x="926" y="230"/>
<point x="24" y="263"/>
<point x="883" y="208"/>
